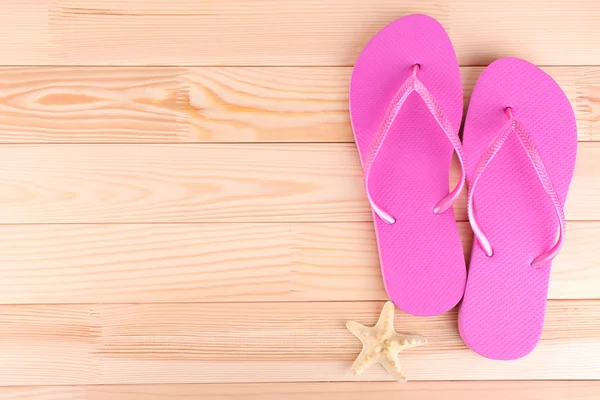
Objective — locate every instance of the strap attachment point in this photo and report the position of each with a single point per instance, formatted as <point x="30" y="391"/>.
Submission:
<point x="445" y="203"/>
<point x="416" y="69"/>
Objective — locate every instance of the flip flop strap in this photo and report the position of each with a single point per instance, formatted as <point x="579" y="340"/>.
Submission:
<point x="413" y="84"/>
<point x="513" y="125"/>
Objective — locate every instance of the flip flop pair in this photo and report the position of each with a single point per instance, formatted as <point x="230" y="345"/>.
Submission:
<point x="517" y="156"/>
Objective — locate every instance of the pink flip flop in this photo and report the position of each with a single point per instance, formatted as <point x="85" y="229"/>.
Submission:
<point x="406" y="109"/>
<point x="520" y="143"/>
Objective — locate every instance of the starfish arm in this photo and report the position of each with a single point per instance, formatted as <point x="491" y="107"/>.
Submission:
<point x="392" y="366"/>
<point x="362" y="362"/>
<point x="357" y="329"/>
<point x="386" y="319"/>
<point x="413" y="341"/>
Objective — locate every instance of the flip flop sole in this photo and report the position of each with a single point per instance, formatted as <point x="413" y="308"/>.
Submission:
<point x="502" y="313"/>
<point x="421" y="256"/>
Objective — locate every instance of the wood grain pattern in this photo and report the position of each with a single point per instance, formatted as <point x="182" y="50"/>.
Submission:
<point x="56" y="104"/>
<point x="547" y="390"/>
<point x="211" y="183"/>
<point x="263" y="342"/>
<point x="140" y="263"/>
<point x="271" y="32"/>
<point x="211" y="104"/>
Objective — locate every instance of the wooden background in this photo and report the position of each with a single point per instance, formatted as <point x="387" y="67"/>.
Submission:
<point x="182" y="212"/>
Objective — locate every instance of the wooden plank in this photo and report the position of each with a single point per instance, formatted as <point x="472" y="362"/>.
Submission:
<point x="210" y="104"/>
<point x="140" y="263"/>
<point x="263" y="342"/>
<point x="271" y="32"/>
<point x="211" y="183"/>
<point x="522" y="390"/>
<point x="91" y="104"/>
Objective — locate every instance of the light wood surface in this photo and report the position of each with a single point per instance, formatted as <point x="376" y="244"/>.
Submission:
<point x="264" y="342"/>
<point x="213" y="183"/>
<point x="229" y="262"/>
<point x="211" y="104"/>
<point x="546" y="390"/>
<point x="182" y="211"/>
<point x="293" y="32"/>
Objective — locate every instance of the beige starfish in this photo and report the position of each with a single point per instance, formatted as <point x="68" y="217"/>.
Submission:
<point x="382" y="344"/>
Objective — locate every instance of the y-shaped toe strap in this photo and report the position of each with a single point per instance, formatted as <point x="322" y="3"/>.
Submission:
<point x="413" y="84"/>
<point x="513" y="125"/>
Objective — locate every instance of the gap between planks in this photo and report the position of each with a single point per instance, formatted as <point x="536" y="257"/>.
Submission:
<point x="546" y="390"/>
<point x="264" y="342"/>
<point x="175" y="105"/>
<point x="229" y="262"/>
